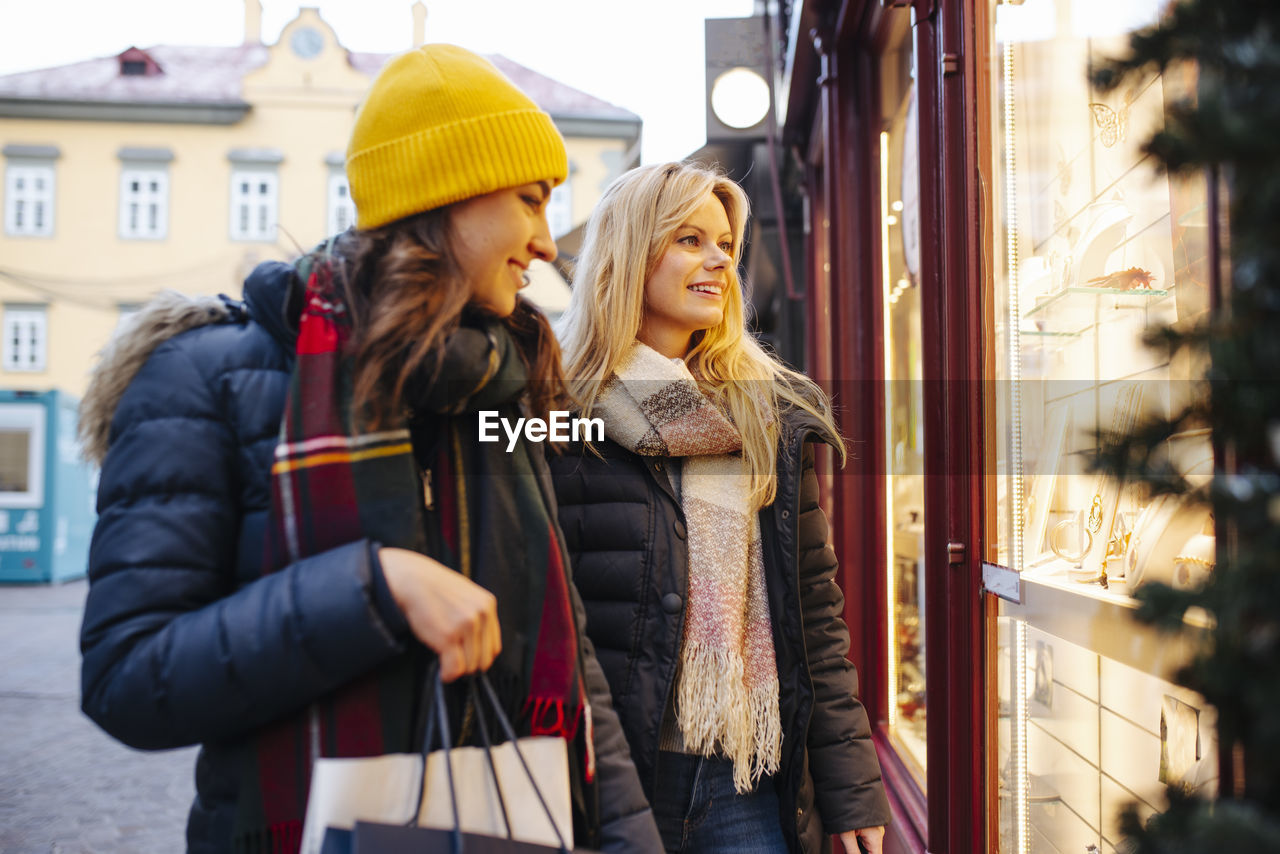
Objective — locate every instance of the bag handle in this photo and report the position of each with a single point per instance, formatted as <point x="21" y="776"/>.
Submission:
<point x="509" y="732"/>
<point x="488" y="754"/>
<point x="437" y="709"/>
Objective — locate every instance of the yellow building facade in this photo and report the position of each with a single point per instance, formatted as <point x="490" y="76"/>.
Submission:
<point x="182" y="167"/>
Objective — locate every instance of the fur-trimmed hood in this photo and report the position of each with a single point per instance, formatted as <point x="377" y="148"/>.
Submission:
<point x="170" y="314"/>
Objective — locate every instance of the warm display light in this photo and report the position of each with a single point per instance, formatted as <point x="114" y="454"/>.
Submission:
<point x="1021" y="761"/>
<point x="1012" y="330"/>
<point x="894" y="676"/>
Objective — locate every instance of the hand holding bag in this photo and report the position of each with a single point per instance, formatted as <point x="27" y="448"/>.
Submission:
<point x="494" y="801"/>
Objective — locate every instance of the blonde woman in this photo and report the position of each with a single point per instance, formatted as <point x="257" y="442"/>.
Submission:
<point x="696" y="536"/>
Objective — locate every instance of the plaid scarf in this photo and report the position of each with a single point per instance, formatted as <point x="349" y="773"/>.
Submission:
<point x="727" y="699"/>
<point x="486" y="515"/>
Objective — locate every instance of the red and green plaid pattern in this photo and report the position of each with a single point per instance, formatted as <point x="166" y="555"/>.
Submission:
<point x="333" y="485"/>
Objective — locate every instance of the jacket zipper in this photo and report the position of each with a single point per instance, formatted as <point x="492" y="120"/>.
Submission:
<point x="804" y="644"/>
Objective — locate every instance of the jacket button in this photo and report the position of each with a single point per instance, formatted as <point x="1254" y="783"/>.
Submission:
<point x="657" y="465"/>
<point x="672" y="603"/>
<point x="680" y="529"/>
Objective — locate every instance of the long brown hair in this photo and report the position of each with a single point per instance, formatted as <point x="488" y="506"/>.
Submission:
<point x="406" y="296"/>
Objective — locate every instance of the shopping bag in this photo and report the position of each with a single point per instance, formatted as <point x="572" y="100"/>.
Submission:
<point x="481" y="800"/>
<point x="369" y="838"/>
<point x="516" y="791"/>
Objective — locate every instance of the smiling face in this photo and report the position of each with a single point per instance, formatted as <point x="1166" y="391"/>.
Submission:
<point x="686" y="291"/>
<point x="496" y="236"/>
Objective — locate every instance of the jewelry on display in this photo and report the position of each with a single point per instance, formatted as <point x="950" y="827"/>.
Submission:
<point x="1122" y="420"/>
<point x="1095" y="514"/>
<point x="1100" y="579"/>
<point x="1124" y="280"/>
<point x="1063" y="553"/>
<point x="1113" y="124"/>
<point x="1171" y="527"/>
<point x="1194" y="562"/>
<point x="1091" y="527"/>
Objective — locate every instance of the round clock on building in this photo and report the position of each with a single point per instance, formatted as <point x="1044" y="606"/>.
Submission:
<point x="306" y="42"/>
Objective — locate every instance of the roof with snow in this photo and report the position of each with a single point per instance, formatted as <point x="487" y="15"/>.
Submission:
<point x="211" y="77"/>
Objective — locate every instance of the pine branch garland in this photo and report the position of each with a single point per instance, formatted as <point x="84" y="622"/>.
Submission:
<point x="1232" y="127"/>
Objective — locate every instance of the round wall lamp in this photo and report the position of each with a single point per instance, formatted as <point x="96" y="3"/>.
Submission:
<point x="740" y="98"/>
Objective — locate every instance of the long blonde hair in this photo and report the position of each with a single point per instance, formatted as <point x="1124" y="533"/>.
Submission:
<point x="628" y="232"/>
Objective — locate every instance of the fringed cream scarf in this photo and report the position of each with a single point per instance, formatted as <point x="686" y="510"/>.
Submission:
<point x="727" y="698"/>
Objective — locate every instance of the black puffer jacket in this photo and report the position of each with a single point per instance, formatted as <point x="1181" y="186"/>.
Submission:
<point x="183" y="640"/>
<point x="627" y="538"/>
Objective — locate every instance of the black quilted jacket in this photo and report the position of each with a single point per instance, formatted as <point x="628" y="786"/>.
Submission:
<point x="627" y="539"/>
<point x="183" y="642"/>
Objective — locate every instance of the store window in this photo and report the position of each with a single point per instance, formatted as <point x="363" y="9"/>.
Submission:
<point x="29" y="185"/>
<point x="25" y="338"/>
<point x="905" y="521"/>
<point x="1091" y="249"/>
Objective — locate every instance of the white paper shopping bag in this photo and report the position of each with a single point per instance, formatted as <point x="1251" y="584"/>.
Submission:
<point x="374" y="788"/>
<point x="479" y="810"/>
<point x="531" y="773"/>
<point x="383" y="789"/>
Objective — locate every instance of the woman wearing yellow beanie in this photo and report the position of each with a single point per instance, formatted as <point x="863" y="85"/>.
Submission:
<point x="296" y="518"/>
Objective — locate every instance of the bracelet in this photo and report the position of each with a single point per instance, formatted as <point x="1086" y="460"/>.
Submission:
<point x="1065" y="555"/>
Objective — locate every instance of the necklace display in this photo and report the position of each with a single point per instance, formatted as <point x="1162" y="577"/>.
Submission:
<point x="1103" y="505"/>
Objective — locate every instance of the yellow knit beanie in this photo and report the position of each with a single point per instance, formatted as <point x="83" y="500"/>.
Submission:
<point x="439" y="125"/>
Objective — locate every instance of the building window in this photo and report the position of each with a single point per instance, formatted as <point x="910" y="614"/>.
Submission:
<point x="25" y="338"/>
<point x="254" y="205"/>
<point x="28" y="200"/>
<point x="342" y="211"/>
<point x="560" y="210"/>
<point x="144" y="203"/>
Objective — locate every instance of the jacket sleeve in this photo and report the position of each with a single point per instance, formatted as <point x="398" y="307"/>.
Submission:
<point x="174" y="650"/>
<point x="848" y="790"/>
<point x="626" y="822"/>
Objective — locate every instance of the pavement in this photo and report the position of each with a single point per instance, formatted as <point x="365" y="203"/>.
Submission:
<point x="65" y="785"/>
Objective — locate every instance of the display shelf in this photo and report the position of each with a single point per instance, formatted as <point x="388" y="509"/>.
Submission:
<point x="1063" y="294"/>
<point x="1104" y="620"/>
<point x="1047" y="333"/>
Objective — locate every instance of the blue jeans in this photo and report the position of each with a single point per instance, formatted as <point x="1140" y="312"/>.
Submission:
<point x="699" y="812"/>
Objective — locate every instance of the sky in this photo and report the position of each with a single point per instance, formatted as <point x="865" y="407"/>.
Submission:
<point x="644" y="55"/>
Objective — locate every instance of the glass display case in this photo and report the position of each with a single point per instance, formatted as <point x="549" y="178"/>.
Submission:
<point x="906" y="568"/>
<point x="1091" y="249"/>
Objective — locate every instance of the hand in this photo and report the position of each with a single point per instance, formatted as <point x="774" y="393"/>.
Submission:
<point x="872" y="839"/>
<point x="448" y="612"/>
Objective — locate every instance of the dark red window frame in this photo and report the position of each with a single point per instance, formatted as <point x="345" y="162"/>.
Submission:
<point x="834" y="107"/>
